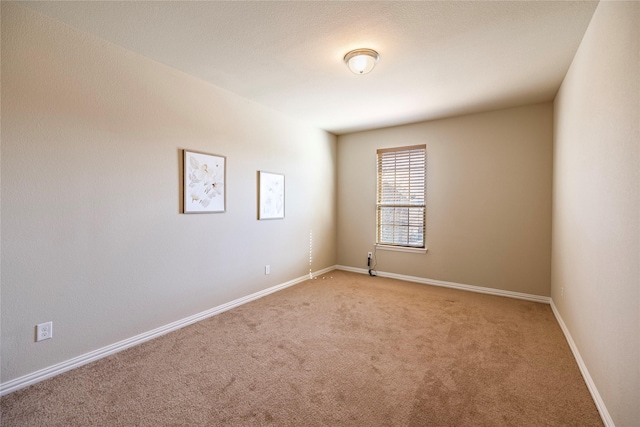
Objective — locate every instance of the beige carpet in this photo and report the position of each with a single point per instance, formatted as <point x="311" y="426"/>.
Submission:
<point x="346" y="350"/>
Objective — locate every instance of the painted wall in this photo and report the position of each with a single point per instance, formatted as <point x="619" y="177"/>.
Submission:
<point x="92" y="234"/>
<point x="596" y="206"/>
<point x="488" y="199"/>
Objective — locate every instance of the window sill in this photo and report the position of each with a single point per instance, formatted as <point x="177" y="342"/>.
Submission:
<point x="402" y="249"/>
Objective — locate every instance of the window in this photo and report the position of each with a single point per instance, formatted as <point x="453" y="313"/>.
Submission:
<point x="401" y="213"/>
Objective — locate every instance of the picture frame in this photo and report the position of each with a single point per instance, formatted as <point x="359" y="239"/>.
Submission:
<point x="204" y="182"/>
<point x="271" y="200"/>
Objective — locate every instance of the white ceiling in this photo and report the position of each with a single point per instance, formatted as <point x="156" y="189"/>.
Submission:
<point x="438" y="58"/>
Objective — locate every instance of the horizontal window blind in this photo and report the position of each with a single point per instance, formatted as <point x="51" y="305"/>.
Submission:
<point x="401" y="213"/>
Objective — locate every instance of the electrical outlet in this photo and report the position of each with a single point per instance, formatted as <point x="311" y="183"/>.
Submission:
<point x="44" y="331"/>
<point x="369" y="254"/>
<point x="267" y="269"/>
<point x="561" y="291"/>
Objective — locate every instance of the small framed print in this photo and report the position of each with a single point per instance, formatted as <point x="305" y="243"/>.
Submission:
<point x="271" y="195"/>
<point x="204" y="182"/>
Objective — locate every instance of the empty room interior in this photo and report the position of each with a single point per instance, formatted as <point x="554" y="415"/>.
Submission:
<point x="139" y="286"/>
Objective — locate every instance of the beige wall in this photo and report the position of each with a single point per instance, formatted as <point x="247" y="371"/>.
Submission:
<point x="488" y="199"/>
<point x="596" y="214"/>
<point x="92" y="235"/>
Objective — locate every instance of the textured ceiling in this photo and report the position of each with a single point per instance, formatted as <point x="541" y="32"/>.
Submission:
<point x="437" y="58"/>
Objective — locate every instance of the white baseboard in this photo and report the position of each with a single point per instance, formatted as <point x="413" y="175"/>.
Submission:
<point x="597" y="399"/>
<point x="76" y="362"/>
<point x="471" y="288"/>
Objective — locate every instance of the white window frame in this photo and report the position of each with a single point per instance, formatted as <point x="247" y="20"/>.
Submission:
<point x="401" y="198"/>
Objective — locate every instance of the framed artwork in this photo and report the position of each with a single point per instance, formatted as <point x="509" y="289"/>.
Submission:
<point x="204" y="182"/>
<point x="271" y="195"/>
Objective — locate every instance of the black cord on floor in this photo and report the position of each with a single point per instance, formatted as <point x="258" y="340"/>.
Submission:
<point x="374" y="259"/>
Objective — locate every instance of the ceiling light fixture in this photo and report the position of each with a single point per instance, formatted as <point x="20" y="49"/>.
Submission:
<point x="361" y="61"/>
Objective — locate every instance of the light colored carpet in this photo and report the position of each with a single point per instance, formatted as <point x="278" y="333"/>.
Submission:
<point x="346" y="350"/>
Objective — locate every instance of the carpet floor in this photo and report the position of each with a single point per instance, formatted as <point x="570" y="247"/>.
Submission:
<point x="343" y="349"/>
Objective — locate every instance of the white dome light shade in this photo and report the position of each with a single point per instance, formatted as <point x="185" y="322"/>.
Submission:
<point x="361" y="61"/>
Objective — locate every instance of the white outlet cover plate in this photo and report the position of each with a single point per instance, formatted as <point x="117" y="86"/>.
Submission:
<point x="44" y="331"/>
